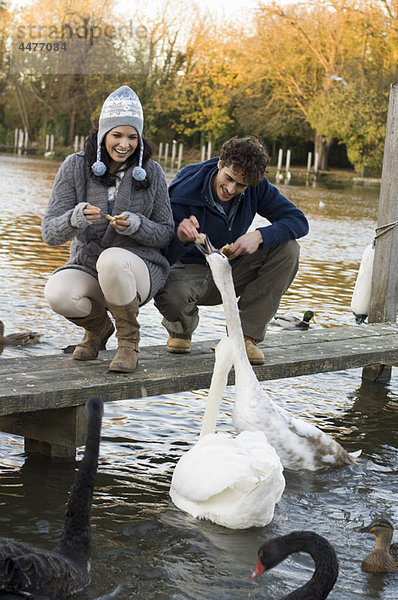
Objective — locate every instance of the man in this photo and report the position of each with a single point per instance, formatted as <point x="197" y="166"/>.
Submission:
<point x="220" y="197"/>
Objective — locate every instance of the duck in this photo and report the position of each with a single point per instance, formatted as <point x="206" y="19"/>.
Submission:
<point x="298" y="443"/>
<point x="326" y="571"/>
<point x="23" y="338"/>
<point x="289" y="321"/>
<point x="384" y="558"/>
<point x="233" y="481"/>
<point x="27" y="571"/>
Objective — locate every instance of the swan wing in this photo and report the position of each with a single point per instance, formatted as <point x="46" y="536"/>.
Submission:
<point x="213" y="464"/>
<point x="234" y="482"/>
<point x="299" y="444"/>
<point x="27" y="569"/>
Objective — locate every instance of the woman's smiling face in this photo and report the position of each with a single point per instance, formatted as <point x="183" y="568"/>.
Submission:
<point x="120" y="143"/>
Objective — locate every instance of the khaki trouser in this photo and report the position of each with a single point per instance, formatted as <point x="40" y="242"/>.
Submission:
<point x="260" y="280"/>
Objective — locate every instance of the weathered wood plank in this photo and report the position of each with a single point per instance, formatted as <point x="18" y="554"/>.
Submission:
<point x="49" y="432"/>
<point x="57" y="381"/>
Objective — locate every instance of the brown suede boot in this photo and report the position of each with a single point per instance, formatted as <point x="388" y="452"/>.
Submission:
<point x="128" y="335"/>
<point x="254" y="354"/>
<point x="98" y="328"/>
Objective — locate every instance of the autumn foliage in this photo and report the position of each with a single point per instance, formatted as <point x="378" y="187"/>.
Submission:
<point x="309" y="72"/>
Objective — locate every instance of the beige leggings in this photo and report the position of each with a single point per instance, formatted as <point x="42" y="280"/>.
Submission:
<point x="121" y="275"/>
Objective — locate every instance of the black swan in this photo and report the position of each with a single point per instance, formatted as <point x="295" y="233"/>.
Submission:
<point x="384" y="558"/>
<point x="29" y="572"/>
<point x="326" y="566"/>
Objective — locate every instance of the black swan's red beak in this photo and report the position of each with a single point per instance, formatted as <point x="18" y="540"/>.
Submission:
<point x="259" y="570"/>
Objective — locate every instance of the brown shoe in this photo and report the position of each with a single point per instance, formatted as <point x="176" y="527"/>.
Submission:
<point x="177" y="345"/>
<point x="128" y="336"/>
<point x="97" y="329"/>
<point x="254" y="354"/>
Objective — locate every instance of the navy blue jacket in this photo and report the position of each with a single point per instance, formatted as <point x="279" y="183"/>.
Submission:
<point x="190" y="195"/>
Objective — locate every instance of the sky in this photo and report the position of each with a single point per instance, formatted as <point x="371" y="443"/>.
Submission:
<point x="217" y="7"/>
<point x="221" y="8"/>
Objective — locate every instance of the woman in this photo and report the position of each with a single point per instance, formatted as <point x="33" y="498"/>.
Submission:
<point x="115" y="263"/>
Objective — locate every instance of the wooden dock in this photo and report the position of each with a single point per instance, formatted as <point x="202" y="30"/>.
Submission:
<point x="42" y="398"/>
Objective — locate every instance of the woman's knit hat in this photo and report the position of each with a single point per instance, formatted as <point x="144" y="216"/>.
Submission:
<point x="122" y="107"/>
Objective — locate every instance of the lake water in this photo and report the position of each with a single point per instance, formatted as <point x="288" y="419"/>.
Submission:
<point x="143" y="546"/>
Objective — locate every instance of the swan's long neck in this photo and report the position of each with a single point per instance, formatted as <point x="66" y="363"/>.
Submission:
<point x="326" y="565"/>
<point x="76" y="538"/>
<point x="222" y="366"/>
<point x="232" y="317"/>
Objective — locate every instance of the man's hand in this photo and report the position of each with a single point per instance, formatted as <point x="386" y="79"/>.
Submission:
<point x="187" y="231"/>
<point x="246" y="244"/>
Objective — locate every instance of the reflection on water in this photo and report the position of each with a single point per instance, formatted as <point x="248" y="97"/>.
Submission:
<point x="342" y="223"/>
<point x="143" y="546"/>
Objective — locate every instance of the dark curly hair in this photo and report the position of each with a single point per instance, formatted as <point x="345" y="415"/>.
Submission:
<point x="109" y="179"/>
<point x="247" y="155"/>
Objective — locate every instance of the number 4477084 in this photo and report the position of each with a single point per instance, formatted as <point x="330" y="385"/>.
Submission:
<point x="42" y="46"/>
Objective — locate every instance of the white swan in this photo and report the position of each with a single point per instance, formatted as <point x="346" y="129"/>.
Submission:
<point x="299" y="444"/>
<point x="232" y="481"/>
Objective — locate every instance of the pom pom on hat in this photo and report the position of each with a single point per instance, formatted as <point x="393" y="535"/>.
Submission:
<point x="121" y="107"/>
<point x="98" y="168"/>
<point x="139" y="173"/>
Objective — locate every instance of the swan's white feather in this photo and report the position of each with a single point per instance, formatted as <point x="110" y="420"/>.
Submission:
<point x="232" y="481"/>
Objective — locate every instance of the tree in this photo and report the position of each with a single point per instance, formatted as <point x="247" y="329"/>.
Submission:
<point x="303" y="55"/>
<point x="50" y="84"/>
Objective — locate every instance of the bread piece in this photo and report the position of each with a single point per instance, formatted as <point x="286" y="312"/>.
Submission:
<point x="116" y="217"/>
<point x="226" y="249"/>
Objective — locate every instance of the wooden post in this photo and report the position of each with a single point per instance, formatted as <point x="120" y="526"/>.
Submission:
<point x="173" y="153"/>
<point x="383" y="301"/>
<point x="166" y="154"/>
<point x="316" y="163"/>
<point x="203" y="153"/>
<point x="54" y="432"/>
<point x="20" y="140"/>
<point x="288" y="157"/>
<point x="279" y="165"/>
<point x="160" y="151"/>
<point x="180" y="151"/>
<point x="280" y="158"/>
<point x="309" y="161"/>
<point x="209" y="150"/>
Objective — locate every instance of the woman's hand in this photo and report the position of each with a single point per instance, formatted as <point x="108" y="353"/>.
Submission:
<point x="92" y="213"/>
<point x="120" y="224"/>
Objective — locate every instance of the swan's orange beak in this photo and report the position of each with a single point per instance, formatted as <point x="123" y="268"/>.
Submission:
<point x="259" y="570"/>
<point x="205" y="247"/>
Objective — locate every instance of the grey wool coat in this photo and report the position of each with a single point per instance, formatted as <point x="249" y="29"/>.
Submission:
<point x="148" y="210"/>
